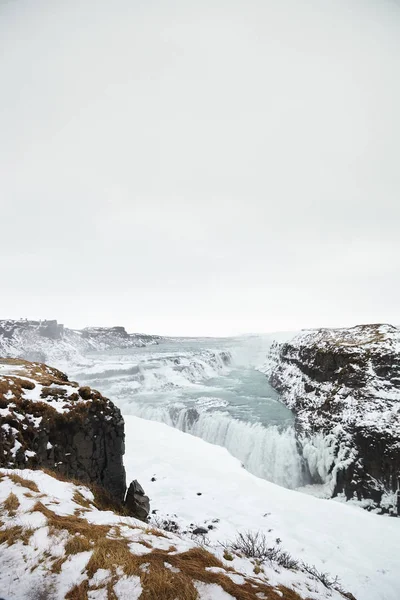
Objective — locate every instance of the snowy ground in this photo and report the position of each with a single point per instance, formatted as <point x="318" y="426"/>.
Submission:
<point x="360" y="547"/>
<point x="55" y="544"/>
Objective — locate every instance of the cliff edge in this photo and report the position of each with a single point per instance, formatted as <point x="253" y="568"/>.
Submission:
<point x="344" y="388"/>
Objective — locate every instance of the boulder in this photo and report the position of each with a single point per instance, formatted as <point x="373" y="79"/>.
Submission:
<point x="137" y="503"/>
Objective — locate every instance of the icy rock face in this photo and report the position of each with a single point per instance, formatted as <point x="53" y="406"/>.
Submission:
<point x="48" y="341"/>
<point x="48" y="421"/>
<point x="344" y="387"/>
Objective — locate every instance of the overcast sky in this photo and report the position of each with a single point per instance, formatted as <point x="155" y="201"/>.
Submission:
<point x="211" y="167"/>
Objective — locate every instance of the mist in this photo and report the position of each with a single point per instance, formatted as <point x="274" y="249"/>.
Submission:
<point x="206" y="168"/>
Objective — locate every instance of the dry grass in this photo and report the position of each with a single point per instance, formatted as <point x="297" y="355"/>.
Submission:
<point x="144" y="543"/>
<point x="77" y="544"/>
<point x="155" y="532"/>
<point x="102" y="499"/>
<point x="28" y="483"/>
<point x="79" y="592"/>
<point x="38" y="371"/>
<point x="78" y="498"/>
<point x="72" y="524"/>
<point x="111" y="552"/>
<point x="10" y="535"/>
<point x="162" y="583"/>
<point x="11" y="504"/>
<point x="57" y="565"/>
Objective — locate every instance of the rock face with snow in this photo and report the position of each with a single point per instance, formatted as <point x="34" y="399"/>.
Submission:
<point x="48" y="421"/>
<point x="48" y="341"/>
<point x="344" y="387"/>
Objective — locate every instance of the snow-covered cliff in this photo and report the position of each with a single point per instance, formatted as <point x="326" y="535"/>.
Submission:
<point x="48" y="341"/>
<point x="344" y="387"/>
<point x="51" y="422"/>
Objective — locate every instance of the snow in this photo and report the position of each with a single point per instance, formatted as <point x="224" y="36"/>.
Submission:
<point x="28" y="373"/>
<point x="24" y="568"/>
<point x="128" y="588"/>
<point x="337" y="538"/>
<point x="211" y="591"/>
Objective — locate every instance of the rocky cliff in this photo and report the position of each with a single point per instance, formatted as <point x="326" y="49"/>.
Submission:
<point x="344" y="387"/>
<point x="49" y="341"/>
<point x="48" y="421"/>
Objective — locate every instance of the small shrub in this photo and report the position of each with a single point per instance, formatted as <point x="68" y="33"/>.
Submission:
<point x="166" y="524"/>
<point x="255" y="545"/>
<point x="331" y="583"/>
<point x="251" y="544"/>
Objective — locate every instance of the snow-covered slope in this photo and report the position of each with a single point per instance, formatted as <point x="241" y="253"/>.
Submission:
<point x="48" y="341"/>
<point x="55" y="544"/>
<point x="344" y="386"/>
<point x="202" y="484"/>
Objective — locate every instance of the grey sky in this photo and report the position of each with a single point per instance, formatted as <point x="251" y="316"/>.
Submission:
<point x="207" y="167"/>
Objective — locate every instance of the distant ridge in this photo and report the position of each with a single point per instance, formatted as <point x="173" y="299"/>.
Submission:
<point x="50" y="341"/>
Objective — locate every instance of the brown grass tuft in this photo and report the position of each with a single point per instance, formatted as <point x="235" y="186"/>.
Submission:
<point x="78" y="592"/>
<point x="110" y="554"/>
<point x="71" y="523"/>
<point x="102" y="499"/>
<point x="78" y="498"/>
<point x="159" y="582"/>
<point x="11" y="504"/>
<point x="155" y="532"/>
<point x="57" y="564"/>
<point x="77" y="544"/>
<point x="28" y="483"/>
<point x="11" y="535"/>
<point x="144" y="543"/>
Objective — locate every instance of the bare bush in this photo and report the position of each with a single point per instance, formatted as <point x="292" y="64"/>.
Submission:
<point x="331" y="583"/>
<point x="168" y="525"/>
<point x="250" y="544"/>
<point x="255" y="545"/>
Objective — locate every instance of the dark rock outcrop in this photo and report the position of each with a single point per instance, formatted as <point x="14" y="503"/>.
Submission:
<point x="50" y="422"/>
<point x="344" y="387"/>
<point x="137" y="503"/>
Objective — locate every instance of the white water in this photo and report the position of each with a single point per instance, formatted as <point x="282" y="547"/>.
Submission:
<point x="209" y="388"/>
